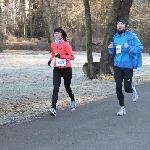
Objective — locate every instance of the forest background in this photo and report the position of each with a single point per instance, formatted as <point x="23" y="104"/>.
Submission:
<point x="24" y="26"/>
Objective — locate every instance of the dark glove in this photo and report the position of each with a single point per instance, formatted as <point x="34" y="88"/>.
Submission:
<point x="49" y="62"/>
<point x="57" y="55"/>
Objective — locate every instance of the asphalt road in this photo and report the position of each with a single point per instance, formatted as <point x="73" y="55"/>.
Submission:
<point x="93" y="126"/>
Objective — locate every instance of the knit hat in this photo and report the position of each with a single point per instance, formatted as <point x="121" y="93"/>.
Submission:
<point x="122" y="22"/>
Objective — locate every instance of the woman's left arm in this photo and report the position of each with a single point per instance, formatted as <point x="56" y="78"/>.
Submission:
<point x="69" y="53"/>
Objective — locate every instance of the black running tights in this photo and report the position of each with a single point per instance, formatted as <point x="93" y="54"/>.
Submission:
<point x="121" y="74"/>
<point x="66" y="73"/>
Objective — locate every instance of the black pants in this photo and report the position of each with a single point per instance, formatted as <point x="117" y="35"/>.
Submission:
<point x="121" y="74"/>
<point x="66" y="73"/>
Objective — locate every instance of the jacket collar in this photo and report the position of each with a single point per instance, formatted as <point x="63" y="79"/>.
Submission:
<point x="59" y="41"/>
<point x="128" y="34"/>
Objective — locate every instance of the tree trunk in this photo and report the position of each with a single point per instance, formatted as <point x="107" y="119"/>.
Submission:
<point x="88" y="39"/>
<point x="30" y="19"/>
<point x="24" y="20"/>
<point x="24" y="26"/>
<point x="47" y="10"/>
<point x="1" y="41"/>
<point x="120" y="10"/>
<point x="1" y="33"/>
<point x="57" y="13"/>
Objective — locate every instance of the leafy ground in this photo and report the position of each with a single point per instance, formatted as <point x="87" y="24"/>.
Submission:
<point x="26" y="84"/>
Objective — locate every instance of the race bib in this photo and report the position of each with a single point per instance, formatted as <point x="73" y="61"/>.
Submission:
<point x="118" y="49"/>
<point x="60" y="62"/>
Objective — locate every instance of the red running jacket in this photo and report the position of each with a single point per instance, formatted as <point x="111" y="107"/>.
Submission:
<point x="65" y="51"/>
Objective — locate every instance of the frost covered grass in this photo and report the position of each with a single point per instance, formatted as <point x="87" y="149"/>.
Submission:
<point x="26" y="84"/>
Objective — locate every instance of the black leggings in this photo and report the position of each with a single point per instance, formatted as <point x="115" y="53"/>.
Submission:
<point x="121" y="74"/>
<point x="66" y="73"/>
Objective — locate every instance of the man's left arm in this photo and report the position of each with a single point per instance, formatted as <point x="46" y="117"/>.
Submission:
<point x="136" y="47"/>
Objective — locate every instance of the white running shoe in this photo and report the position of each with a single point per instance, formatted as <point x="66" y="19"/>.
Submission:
<point x="73" y="105"/>
<point x="52" y="111"/>
<point x="134" y="94"/>
<point x="121" y="112"/>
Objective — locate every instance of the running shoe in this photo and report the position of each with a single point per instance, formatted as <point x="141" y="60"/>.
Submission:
<point x="121" y="112"/>
<point x="52" y="111"/>
<point x="73" y="105"/>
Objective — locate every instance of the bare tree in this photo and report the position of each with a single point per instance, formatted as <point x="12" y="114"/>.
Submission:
<point x="2" y="37"/>
<point x="88" y="39"/>
<point x="1" y="33"/>
<point x="120" y="10"/>
<point x="57" y="12"/>
<point x="47" y="10"/>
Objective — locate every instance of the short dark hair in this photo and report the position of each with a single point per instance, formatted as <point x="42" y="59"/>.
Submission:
<point x="64" y="34"/>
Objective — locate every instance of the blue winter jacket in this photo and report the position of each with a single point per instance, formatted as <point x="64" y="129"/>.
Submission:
<point x="130" y="57"/>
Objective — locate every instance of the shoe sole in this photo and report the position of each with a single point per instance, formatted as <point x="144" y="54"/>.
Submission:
<point x="121" y="115"/>
<point x="53" y="114"/>
<point x="73" y="109"/>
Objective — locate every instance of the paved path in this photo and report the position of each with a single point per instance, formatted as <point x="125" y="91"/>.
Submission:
<point x="93" y="126"/>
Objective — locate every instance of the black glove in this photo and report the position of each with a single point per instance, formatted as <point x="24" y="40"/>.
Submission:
<point x="57" y="55"/>
<point x="49" y="62"/>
